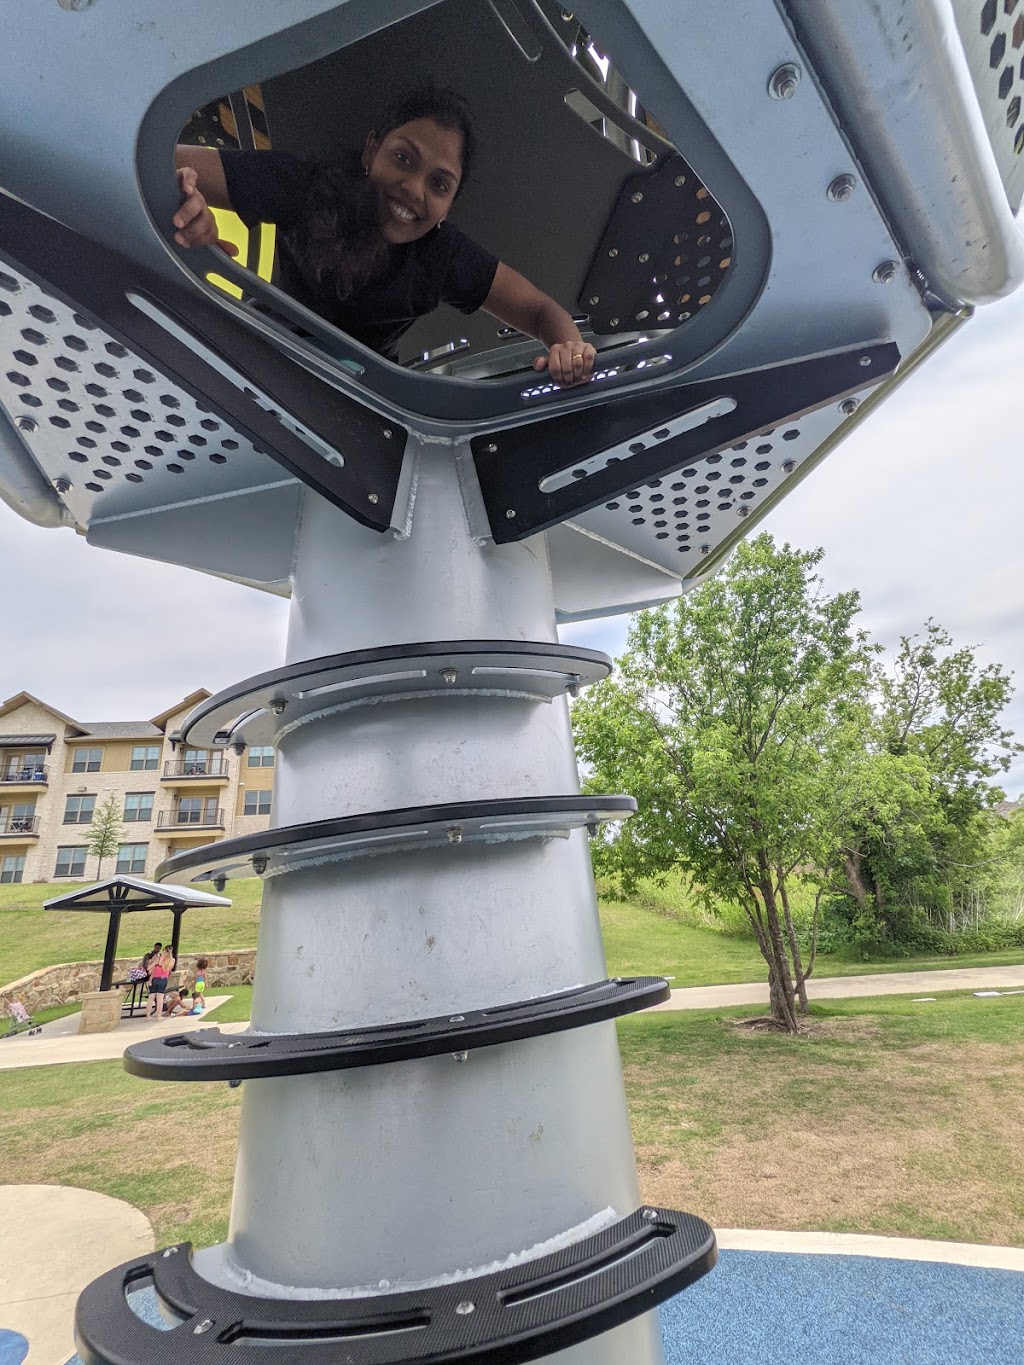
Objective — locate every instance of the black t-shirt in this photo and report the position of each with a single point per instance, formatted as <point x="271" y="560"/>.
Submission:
<point x="445" y="266"/>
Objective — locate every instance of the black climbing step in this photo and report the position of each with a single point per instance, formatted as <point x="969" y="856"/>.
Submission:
<point x="522" y="1313"/>
<point x="252" y="711"/>
<point x="209" y="1055"/>
<point x="391" y="831"/>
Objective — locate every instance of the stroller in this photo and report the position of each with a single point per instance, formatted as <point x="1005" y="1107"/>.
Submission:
<point x="21" y="1021"/>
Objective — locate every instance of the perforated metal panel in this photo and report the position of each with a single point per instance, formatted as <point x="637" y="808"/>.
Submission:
<point x="992" y="32"/>
<point x="111" y="434"/>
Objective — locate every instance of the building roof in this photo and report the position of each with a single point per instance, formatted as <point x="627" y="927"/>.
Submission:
<point x="26" y="741"/>
<point x="99" y="729"/>
<point x="116" y="729"/>
<point x="27" y="699"/>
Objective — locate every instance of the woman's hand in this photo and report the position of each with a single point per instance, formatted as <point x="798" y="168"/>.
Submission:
<point x="568" y="362"/>
<point x="194" y="220"/>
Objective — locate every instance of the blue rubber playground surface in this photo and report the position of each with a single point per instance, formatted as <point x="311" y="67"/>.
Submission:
<point x="760" y="1308"/>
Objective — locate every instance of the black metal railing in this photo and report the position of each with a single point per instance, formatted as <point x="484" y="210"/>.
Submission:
<point x="181" y="819"/>
<point x="17" y="772"/>
<point x="19" y="824"/>
<point x="196" y="767"/>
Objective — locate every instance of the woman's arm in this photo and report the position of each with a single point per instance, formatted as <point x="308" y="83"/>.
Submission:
<point x="203" y="186"/>
<point x="520" y="304"/>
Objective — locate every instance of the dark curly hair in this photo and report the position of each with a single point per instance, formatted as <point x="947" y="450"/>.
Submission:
<point x="339" y="232"/>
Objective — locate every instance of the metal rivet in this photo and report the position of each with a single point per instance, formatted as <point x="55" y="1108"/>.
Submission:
<point x="680" y="181"/>
<point x="613" y="252"/>
<point x="277" y="705"/>
<point x="27" y="424"/>
<point x="464" y="1307"/>
<point x="461" y="1056"/>
<point x="63" y="485"/>
<point x="449" y="675"/>
<point x="865" y="361"/>
<point x="636" y="197"/>
<point x="885" y="273"/>
<point x="596" y="298"/>
<point x="849" y="405"/>
<point x="510" y="513"/>
<point x="455" y="834"/>
<point x="644" y="257"/>
<point x="613" y="322"/>
<point x="788" y="466"/>
<point x="490" y="448"/>
<point x="259" y="864"/>
<point x="783" y="82"/>
<point x="841" y="188"/>
<point x="373" y="498"/>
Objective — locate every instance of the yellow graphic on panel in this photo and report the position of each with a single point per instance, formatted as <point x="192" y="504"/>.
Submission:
<point x="255" y="248"/>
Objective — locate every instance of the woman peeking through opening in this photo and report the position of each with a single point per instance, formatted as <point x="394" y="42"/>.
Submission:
<point x="364" y="241"/>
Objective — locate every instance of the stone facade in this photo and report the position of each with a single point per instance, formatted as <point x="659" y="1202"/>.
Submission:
<point x="187" y="797"/>
<point x="69" y="981"/>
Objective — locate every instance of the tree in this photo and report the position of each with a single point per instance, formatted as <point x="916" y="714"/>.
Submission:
<point x="738" y="720"/>
<point x="105" y="832"/>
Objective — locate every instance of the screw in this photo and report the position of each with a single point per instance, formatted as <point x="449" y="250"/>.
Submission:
<point x="63" y="485"/>
<point x="510" y="513"/>
<point x="464" y="1307"/>
<point x="636" y="197"/>
<point x="788" y="466"/>
<point x="388" y="433"/>
<point x="885" y="273"/>
<point x="783" y="81"/>
<point x="849" y="405"/>
<point x="202" y="1327"/>
<point x="277" y="705"/>
<point x="455" y="834"/>
<point x="450" y="675"/>
<point x="461" y="1056"/>
<point x="841" y="188"/>
<point x="490" y="448"/>
<point x="613" y="322"/>
<point x="27" y="424"/>
<point x="596" y="298"/>
<point x="259" y="863"/>
<point x="680" y="181"/>
<point x="865" y="361"/>
<point x="373" y="498"/>
<point x="613" y="252"/>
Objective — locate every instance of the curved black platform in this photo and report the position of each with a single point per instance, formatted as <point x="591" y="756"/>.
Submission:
<point x="209" y="1055"/>
<point x="513" y="1315"/>
<point x="414" y="827"/>
<point x="253" y="710"/>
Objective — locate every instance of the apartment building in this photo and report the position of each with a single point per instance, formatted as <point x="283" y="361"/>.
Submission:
<point x="56" y="772"/>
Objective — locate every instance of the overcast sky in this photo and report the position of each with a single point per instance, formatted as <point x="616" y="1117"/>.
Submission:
<point x="920" y="511"/>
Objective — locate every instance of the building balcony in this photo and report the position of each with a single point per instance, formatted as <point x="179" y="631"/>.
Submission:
<point x="184" y="822"/>
<point x="196" y="769"/>
<point x="19" y="827"/>
<point x="15" y="774"/>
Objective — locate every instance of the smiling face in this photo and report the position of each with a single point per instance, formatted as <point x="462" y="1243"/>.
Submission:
<point x="415" y="169"/>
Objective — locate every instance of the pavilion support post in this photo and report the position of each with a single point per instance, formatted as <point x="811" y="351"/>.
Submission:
<point x="110" y="949"/>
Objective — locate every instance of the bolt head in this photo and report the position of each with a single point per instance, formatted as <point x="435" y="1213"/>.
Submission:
<point x="278" y="705"/>
<point x="373" y="498"/>
<point x="455" y="834"/>
<point x="613" y="252"/>
<point x="636" y="197"/>
<point x="864" y="361"/>
<point x="510" y="514"/>
<point x="613" y="322"/>
<point x="388" y="433"/>
<point x="849" y="405"/>
<point x="259" y="864"/>
<point x="783" y="82"/>
<point x="457" y="1019"/>
<point x="596" y="299"/>
<point x="679" y="181"/>
<point x="27" y="424"/>
<point x="788" y="466"/>
<point x="461" y="1056"/>
<point x="885" y="272"/>
<point x="202" y="1327"/>
<point x="63" y="485"/>
<point x="841" y="188"/>
<point x="450" y="675"/>
<point x="464" y="1307"/>
<point x="490" y="448"/>
<point x="705" y="549"/>
<point x="74" y="5"/>
<point x="644" y="257"/>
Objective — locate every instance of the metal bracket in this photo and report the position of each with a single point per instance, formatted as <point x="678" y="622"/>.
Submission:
<point x="527" y="485"/>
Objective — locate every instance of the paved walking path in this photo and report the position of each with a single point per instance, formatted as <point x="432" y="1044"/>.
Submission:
<point x="850" y="987"/>
<point x="60" y="1040"/>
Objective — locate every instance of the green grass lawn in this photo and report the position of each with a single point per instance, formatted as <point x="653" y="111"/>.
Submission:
<point x="887" y="1117"/>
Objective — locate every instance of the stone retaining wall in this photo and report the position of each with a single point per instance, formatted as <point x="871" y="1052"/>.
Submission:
<point x="70" y="980"/>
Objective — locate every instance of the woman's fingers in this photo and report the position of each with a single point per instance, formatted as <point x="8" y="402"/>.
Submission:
<point x="194" y="220"/>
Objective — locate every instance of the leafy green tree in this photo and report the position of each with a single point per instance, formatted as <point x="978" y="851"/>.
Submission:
<point x="105" y="832"/>
<point x="739" y="721"/>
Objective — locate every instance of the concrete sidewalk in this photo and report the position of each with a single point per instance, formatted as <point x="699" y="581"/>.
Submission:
<point x="850" y="987"/>
<point x="60" y="1042"/>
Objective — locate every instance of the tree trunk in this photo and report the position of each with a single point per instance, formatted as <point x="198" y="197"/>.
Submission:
<point x="780" y="977"/>
<point x="794" y="946"/>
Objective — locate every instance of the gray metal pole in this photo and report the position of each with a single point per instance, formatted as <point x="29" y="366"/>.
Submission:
<point x="396" y="1175"/>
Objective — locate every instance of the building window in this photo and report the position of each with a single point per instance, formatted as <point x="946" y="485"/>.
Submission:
<point x="70" y="862"/>
<point x="261" y="756"/>
<point x="257" y="803"/>
<point x="79" y="810"/>
<point x="131" y="858"/>
<point x="24" y="767"/>
<point x="145" y="757"/>
<point x="87" y="761"/>
<point x="12" y="869"/>
<point x="19" y="818"/>
<point x="138" y="806"/>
